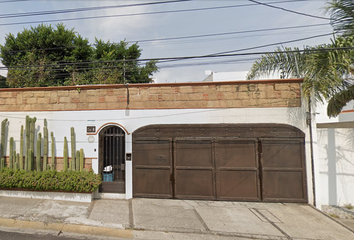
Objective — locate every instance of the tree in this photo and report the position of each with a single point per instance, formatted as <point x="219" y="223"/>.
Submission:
<point x="115" y="63"/>
<point x="3" y="83"/>
<point x="326" y="68"/>
<point x="47" y="56"/>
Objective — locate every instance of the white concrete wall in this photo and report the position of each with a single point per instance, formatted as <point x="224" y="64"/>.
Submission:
<point x="335" y="170"/>
<point x="60" y="122"/>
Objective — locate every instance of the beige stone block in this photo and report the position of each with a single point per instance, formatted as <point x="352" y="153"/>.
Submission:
<point x="59" y="106"/>
<point x="70" y="106"/>
<point x="153" y="98"/>
<point x="82" y="106"/>
<point x="31" y="100"/>
<point x="133" y="91"/>
<point x="19" y="98"/>
<point x="38" y="94"/>
<point x="63" y="93"/>
<point x="43" y="100"/>
<point x="134" y="98"/>
<point x="169" y="97"/>
<point x="281" y="87"/>
<point x="259" y="94"/>
<point x="2" y="101"/>
<point x="110" y="99"/>
<point x="229" y="96"/>
<point x="64" y="99"/>
<point x="242" y="88"/>
<point x="159" y="90"/>
<point x="91" y="92"/>
<point x="226" y="88"/>
<point x="294" y="86"/>
<point x="201" y="89"/>
<point x="5" y="95"/>
<point x="91" y="99"/>
<point x="26" y="94"/>
<point x="120" y="91"/>
<point x="186" y="89"/>
<point x="244" y="95"/>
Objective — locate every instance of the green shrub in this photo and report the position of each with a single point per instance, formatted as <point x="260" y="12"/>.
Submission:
<point x="51" y="180"/>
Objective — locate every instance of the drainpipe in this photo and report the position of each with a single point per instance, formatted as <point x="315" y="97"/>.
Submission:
<point x="309" y="123"/>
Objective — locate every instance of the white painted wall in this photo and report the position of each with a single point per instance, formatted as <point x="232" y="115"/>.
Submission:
<point x="60" y="122"/>
<point x="335" y="182"/>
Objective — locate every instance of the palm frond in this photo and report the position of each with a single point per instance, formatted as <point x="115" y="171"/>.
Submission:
<point x="339" y="100"/>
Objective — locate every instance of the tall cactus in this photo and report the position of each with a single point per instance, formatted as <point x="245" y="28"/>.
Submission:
<point x="81" y="159"/>
<point x="28" y="127"/>
<point x="73" y="149"/>
<point x="11" y="160"/>
<point x="30" y="159"/>
<point x="45" y="145"/>
<point x="2" y="163"/>
<point x="77" y="159"/>
<point x="3" y="132"/>
<point x="65" y="155"/>
<point x="20" y="157"/>
<point x="38" y="152"/>
<point x="52" y="167"/>
<point x="14" y="162"/>
<point x="32" y="132"/>
<point x="18" y="160"/>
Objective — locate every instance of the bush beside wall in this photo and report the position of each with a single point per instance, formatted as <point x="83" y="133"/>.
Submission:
<point x="52" y="180"/>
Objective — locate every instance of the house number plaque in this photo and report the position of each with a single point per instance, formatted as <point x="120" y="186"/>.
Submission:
<point x="91" y="129"/>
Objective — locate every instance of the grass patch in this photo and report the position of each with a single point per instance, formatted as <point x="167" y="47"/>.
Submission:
<point x="348" y="206"/>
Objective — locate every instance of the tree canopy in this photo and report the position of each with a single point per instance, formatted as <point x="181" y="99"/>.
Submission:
<point x="327" y="69"/>
<point x="48" y="56"/>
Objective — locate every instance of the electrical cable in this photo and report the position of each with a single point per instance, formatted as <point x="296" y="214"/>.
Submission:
<point x="184" y="37"/>
<point x="132" y="14"/>
<point x="72" y="10"/>
<point x="287" y="10"/>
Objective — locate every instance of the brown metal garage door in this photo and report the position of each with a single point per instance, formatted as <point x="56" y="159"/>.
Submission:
<point x="258" y="168"/>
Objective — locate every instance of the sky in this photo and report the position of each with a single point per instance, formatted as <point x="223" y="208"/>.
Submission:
<point x="197" y="28"/>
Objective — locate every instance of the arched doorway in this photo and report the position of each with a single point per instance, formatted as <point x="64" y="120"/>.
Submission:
<point x="112" y="159"/>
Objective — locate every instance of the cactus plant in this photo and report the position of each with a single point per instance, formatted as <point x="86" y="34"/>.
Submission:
<point x="65" y="155"/>
<point x="17" y="160"/>
<point x="45" y="145"/>
<point x="3" y="131"/>
<point x="20" y="158"/>
<point x="72" y="149"/>
<point x="53" y="153"/>
<point x="28" y="126"/>
<point x="2" y="163"/>
<point x="11" y="160"/>
<point x="38" y="152"/>
<point x="32" y="132"/>
<point x="81" y="159"/>
<point x="77" y="160"/>
<point x="14" y="161"/>
<point x="30" y="159"/>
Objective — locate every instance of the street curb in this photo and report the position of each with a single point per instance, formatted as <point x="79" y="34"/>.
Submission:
<point x="70" y="228"/>
<point x="333" y="219"/>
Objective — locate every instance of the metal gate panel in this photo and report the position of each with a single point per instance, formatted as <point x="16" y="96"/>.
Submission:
<point x="237" y="174"/>
<point x="283" y="170"/>
<point x="152" y="168"/>
<point x="194" y="169"/>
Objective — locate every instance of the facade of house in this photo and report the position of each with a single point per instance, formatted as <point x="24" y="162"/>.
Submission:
<point x="236" y="140"/>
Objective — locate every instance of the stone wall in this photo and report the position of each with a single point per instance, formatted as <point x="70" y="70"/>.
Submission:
<point x="238" y="94"/>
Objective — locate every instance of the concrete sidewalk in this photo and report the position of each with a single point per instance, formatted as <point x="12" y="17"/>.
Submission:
<point x="172" y="219"/>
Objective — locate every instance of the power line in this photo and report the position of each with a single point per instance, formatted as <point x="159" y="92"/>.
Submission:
<point x="184" y="37"/>
<point x="191" y="57"/>
<point x="140" y="14"/>
<point x="287" y="10"/>
<point x="72" y="10"/>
